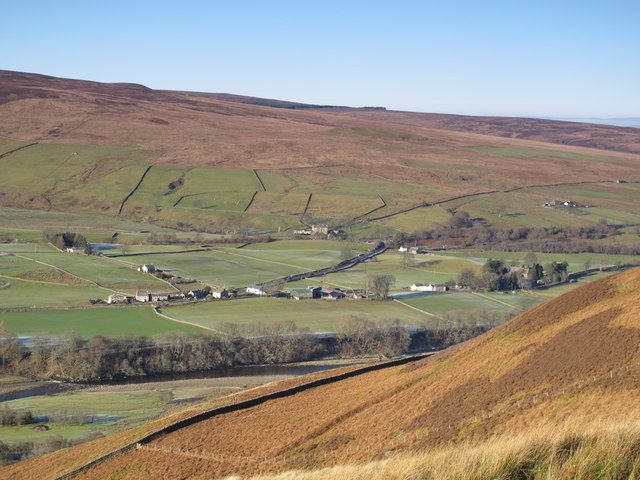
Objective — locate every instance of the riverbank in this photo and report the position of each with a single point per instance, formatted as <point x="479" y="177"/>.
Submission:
<point x="69" y="413"/>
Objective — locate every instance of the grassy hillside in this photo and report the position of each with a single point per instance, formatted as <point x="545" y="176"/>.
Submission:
<point x="211" y="154"/>
<point x="566" y="371"/>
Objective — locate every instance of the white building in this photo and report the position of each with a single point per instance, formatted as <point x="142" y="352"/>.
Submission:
<point x="256" y="290"/>
<point x="421" y="287"/>
<point x="220" y="293"/>
<point x="147" y="268"/>
<point x="74" y="250"/>
<point x="403" y="249"/>
<point x="117" y="298"/>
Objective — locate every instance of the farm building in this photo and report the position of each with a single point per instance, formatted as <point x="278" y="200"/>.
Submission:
<point x="147" y="268"/>
<point x="255" y="290"/>
<point x="302" y="232"/>
<point x="118" y="298"/>
<point x="403" y="249"/>
<point x="421" y="287"/>
<point x="74" y="250"/>
<point x="332" y="294"/>
<point x="319" y="229"/>
<point x="197" y="294"/>
<point x="142" y="296"/>
<point x="159" y="297"/>
<point x="220" y="293"/>
<point x="306" y="293"/>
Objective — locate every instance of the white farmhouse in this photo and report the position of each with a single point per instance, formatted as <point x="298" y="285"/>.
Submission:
<point x="421" y="287"/>
<point x="256" y="290"/>
<point x="147" y="268"/>
<point x="403" y="249"/>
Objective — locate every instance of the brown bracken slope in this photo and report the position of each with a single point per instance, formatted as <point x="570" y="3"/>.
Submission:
<point x="574" y="359"/>
<point x="192" y="129"/>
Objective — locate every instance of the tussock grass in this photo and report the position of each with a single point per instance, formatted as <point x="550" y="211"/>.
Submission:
<point x="610" y="451"/>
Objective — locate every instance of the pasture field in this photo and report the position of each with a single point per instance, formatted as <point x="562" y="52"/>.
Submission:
<point x="83" y="177"/>
<point x="441" y="303"/>
<point x="107" y="321"/>
<point x="230" y="266"/>
<point x="27" y="226"/>
<point x="22" y="293"/>
<point x="418" y="219"/>
<point x="419" y="269"/>
<point x="99" y="271"/>
<point x="315" y="315"/>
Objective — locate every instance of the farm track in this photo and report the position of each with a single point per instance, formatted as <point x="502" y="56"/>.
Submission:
<point x="6" y="154"/>
<point x="344" y="265"/>
<point x="124" y="201"/>
<point x="237" y="407"/>
<point x="361" y="219"/>
<point x="157" y="310"/>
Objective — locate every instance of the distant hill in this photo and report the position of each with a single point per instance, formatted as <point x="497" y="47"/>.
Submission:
<point x="535" y="386"/>
<point x="54" y="108"/>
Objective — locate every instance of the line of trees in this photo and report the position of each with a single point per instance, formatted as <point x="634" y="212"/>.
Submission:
<point x="100" y="359"/>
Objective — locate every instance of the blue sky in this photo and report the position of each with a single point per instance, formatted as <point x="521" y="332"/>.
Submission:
<point x="537" y="58"/>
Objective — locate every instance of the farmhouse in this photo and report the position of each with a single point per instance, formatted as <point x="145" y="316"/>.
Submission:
<point x="255" y="290"/>
<point x="147" y="268"/>
<point x="118" y="298"/>
<point x="220" y="293"/>
<point x="74" y="250"/>
<point x="319" y="229"/>
<point x="403" y="249"/>
<point x="421" y="287"/>
<point x="142" y="296"/>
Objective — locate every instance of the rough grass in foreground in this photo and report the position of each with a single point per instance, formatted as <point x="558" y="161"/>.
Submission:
<point x="608" y="452"/>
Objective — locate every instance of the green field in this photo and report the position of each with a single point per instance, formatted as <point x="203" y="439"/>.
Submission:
<point x="21" y="293"/>
<point x="230" y="266"/>
<point x="316" y="315"/>
<point x="44" y="260"/>
<point x="108" y="321"/>
<point x="420" y="269"/>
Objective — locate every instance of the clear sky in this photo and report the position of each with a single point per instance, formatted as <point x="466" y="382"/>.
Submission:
<point x="538" y="58"/>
